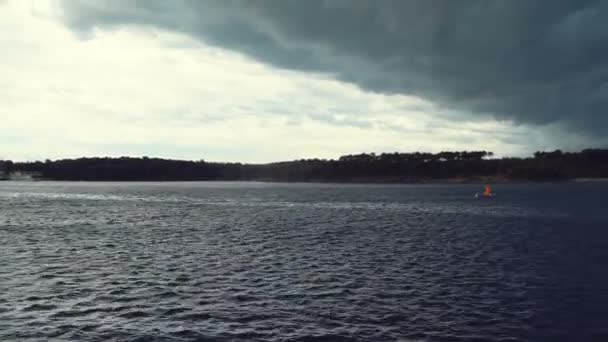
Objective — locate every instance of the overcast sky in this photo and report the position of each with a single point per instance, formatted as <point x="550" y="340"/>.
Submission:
<point x="265" y="80"/>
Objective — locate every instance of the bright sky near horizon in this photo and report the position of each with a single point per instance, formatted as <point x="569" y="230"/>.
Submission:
<point x="84" y="79"/>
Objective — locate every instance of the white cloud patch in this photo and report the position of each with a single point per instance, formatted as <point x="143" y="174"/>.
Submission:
<point x="142" y="91"/>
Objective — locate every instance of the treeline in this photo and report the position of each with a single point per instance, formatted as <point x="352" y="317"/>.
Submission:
<point x="385" y="167"/>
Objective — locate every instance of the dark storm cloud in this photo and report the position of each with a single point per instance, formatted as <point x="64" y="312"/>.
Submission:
<point x="529" y="61"/>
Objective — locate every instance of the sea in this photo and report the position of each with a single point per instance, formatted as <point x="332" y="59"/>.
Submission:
<point x="248" y="261"/>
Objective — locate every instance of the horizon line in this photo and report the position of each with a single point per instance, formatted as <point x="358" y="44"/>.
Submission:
<point x="491" y="154"/>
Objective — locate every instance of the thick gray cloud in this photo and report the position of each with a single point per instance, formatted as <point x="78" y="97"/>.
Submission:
<point x="533" y="62"/>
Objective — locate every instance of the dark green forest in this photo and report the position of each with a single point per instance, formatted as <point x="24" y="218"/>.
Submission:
<point x="385" y="167"/>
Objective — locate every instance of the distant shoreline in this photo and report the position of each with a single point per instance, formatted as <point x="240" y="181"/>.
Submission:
<point x="585" y="180"/>
<point x="387" y="168"/>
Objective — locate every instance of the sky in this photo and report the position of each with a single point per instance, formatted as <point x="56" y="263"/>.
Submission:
<point x="261" y="81"/>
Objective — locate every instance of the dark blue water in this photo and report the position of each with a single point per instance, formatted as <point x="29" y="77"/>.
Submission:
<point x="279" y="262"/>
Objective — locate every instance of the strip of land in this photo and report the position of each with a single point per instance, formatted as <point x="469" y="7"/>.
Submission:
<point x="451" y="167"/>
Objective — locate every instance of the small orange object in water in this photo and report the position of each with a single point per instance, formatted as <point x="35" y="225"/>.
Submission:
<point x="487" y="192"/>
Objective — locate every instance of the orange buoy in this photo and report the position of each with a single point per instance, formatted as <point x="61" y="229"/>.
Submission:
<point x="487" y="192"/>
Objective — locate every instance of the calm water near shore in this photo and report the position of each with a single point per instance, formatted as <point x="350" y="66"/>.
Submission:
<point x="302" y="262"/>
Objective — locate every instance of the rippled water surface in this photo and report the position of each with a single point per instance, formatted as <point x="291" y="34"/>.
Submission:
<point x="302" y="262"/>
